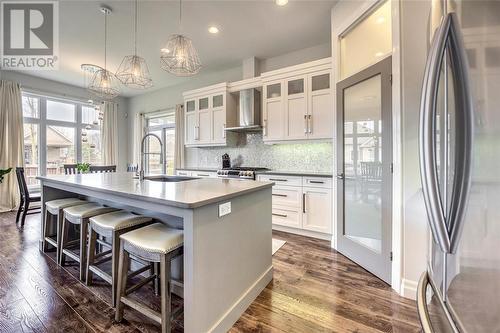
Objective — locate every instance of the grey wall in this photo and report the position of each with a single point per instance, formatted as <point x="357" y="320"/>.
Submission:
<point x="296" y="57"/>
<point x="170" y="96"/>
<point x="64" y="90"/>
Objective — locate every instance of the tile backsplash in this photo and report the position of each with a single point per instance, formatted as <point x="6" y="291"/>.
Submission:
<point x="250" y="150"/>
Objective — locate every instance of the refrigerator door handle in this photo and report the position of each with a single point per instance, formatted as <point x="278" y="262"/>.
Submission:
<point x="464" y="132"/>
<point x="427" y="138"/>
<point x="423" y="311"/>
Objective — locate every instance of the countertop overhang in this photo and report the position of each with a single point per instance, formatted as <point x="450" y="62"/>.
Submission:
<point x="186" y="194"/>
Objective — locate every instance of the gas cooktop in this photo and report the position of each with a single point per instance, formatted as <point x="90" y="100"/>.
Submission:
<point x="239" y="172"/>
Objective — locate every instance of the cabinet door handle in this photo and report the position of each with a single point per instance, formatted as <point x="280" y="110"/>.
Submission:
<point x="306" y="130"/>
<point x="340" y="176"/>
<point x="280" y="195"/>
<point x="316" y="182"/>
<point x="264" y="129"/>
<point x="224" y="131"/>
<point x="309" y="124"/>
<point x="203" y="175"/>
<point x="277" y="180"/>
<point x="303" y="203"/>
<point x="280" y="215"/>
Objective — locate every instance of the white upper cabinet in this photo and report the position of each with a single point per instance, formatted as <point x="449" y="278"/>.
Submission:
<point x="320" y="106"/>
<point x="273" y="112"/>
<point x="208" y="111"/>
<point x="298" y="102"/>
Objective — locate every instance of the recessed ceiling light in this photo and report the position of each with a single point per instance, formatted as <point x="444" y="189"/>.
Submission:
<point x="281" y="2"/>
<point x="213" y="29"/>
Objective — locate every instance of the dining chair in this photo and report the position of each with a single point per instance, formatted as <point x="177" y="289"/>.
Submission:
<point x="70" y="169"/>
<point x="102" y="168"/>
<point x="132" y="167"/>
<point x="26" y="198"/>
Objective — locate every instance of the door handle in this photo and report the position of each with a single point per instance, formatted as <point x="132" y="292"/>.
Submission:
<point x="280" y="195"/>
<point x="305" y="125"/>
<point x="303" y="203"/>
<point x="446" y="230"/>
<point x="427" y="148"/>
<point x="422" y="310"/>
<point x="465" y="126"/>
<point x="309" y="124"/>
<point x="340" y="176"/>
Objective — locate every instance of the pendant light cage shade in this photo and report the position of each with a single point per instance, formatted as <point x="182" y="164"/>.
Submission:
<point x="103" y="85"/>
<point x="134" y="72"/>
<point x="179" y="57"/>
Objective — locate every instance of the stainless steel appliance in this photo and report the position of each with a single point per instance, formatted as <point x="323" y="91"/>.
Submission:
<point x="226" y="161"/>
<point x="249" y="112"/>
<point x="459" y="162"/>
<point x="240" y="172"/>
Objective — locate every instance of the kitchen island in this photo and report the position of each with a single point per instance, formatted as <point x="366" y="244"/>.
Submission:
<point x="227" y="258"/>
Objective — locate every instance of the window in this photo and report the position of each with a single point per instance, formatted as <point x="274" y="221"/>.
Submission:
<point x="58" y="132"/>
<point x="164" y="127"/>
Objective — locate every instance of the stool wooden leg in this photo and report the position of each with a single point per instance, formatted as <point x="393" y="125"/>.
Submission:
<point x="156" y="282"/>
<point x="91" y="254"/>
<point x="64" y="240"/>
<point x="83" y="248"/>
<point x="60" y="218"/>
<point x="115" y="254"/>
<point x="45" y="221"/>
<point x="165" y="294"/>
<point x="122" y="283"/>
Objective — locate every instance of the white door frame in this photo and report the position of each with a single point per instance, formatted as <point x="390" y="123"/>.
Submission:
<point x="364" y="9"/>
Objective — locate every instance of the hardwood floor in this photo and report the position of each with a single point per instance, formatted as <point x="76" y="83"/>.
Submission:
<point x="315" y="289"/>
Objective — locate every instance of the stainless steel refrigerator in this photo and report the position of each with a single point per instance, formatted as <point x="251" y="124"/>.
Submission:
<point x="459" y="138"/>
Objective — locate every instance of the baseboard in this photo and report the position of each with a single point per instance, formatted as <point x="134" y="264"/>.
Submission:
<point x="232" y="315"/>
<point x="303" y="232"/>
<point x="409" y="289"/>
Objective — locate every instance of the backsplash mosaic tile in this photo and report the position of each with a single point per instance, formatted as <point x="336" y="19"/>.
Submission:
<point x="250" y="150"/>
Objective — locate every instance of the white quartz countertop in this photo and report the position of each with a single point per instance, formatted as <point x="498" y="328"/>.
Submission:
<point x="185" y="194"/>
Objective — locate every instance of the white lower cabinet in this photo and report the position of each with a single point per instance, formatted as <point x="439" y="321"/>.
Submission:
<point x="317" y="209"/>
<point x="302" y="205"/>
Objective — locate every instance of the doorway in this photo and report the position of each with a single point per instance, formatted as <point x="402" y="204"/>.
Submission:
<point x="364" y="166"/>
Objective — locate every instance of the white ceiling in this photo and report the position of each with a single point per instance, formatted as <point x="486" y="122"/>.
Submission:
<point x="257" y="28"/>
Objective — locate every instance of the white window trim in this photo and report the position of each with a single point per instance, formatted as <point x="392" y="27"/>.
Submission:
<point x="43" y="122"/>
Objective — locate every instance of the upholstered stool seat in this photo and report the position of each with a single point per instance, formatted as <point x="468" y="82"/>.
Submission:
<point x="154" y="243"/>
<point x="110" y="226"/>
<point x="79" y="215"/>
<point x="55" y="208"/>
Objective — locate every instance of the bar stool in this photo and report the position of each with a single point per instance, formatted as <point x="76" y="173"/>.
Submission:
<point x="154" y="243"/>
<point x="111" y="226"/>
<point x="79" y="215"/>
<point x="55" y="208"/>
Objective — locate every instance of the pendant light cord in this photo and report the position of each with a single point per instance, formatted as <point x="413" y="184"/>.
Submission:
<point x="180" y="16"/>
<point x="105" y="38"/>
<point x="135" y="30"/>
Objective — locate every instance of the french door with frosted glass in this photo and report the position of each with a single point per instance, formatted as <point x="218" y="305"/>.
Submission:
<point x="364" y="166"/>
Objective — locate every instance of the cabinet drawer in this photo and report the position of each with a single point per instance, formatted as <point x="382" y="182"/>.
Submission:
<point x="282" y="180"/>
<point x="183" y="173"/>
<point x="287" y="218"/>
<point x="317" y="182"/>
<point x="204" y="174"/>
<point x="287" y="196"/>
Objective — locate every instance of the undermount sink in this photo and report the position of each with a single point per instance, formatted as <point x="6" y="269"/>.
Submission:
<point x="168" y="179"/>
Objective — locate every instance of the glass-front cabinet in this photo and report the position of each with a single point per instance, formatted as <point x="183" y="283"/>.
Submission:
<point x="298" y="103"/>
<point x="209" y="111"/>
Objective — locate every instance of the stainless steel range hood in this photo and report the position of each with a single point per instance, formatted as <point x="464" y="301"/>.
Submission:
<point x="249" y="113"/>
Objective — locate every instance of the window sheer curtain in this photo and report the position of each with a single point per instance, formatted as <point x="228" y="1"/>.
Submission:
<point x="109" y="134"/>
<point x="11" y="141"/>
<point x="179" y="137"/>
<point x="137" y="136"/>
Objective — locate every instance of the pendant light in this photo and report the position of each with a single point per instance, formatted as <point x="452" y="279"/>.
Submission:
<point x="133" y="71"/>
<point x="179" y="57"/>
<point x="103" y="83"/>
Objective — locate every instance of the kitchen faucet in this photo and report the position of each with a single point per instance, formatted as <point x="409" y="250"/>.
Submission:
<point x="143" y="153"/>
